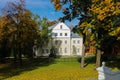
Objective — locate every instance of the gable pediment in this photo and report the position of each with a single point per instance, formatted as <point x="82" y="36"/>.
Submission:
<point x="61" y="26"/>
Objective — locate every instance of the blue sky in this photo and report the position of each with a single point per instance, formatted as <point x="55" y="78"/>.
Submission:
<point x="44" y="8"/>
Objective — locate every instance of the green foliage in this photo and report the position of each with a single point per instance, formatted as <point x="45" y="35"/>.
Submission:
<point x="44" y="32"/>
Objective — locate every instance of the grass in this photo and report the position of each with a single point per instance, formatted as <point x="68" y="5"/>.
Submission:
<point x="61" y="69"/>
<point x="58" y="71"/>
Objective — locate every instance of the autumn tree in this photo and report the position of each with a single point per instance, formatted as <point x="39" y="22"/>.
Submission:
<point x="21" y="29"/>
<point x="98" y="18"/>
<point x="106" y="17"/>
<point x="3" y="40"/>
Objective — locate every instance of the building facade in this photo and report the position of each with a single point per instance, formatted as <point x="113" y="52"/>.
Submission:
<point x="65" y="42"/>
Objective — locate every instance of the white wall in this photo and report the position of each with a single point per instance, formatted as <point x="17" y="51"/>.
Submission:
<point x="65" y="44"/>
<point x="78" y="46"/>
<point x="64" y="30"/>
<point x="62" y="46"/>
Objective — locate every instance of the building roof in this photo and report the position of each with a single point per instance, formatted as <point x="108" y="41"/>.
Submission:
<point x="75" y="35"/>
<point x="51" y="27"/>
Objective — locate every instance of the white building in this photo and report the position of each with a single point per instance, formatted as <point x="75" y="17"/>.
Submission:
<point x="64" y="41"/>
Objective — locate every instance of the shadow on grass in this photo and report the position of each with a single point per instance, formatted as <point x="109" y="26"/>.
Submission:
<point x="112" y="62"/>
<point x="28" y="65"/>
<point x="89" y="59"/>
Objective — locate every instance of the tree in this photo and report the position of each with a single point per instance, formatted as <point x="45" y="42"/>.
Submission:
<point x="4" y="48"/>
<point x="44" y="32"/>
<point x="22" y="30"/>
<point x="106" y="19"/>
<point x="101" y="17"/>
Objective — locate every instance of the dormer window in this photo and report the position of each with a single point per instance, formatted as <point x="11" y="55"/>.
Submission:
<point x="60" y="26"/>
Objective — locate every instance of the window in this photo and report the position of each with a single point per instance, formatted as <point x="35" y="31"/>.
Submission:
<point x="74" y="41"/>
<point x="65" y="41"/>
<point x="47" y="51"/>
<point x="60" y="34"/>
<point x="78" y="41"/>
<point x="56" y="50"/>
<point x="78" y="50"/>
<point x="42" y="50"/>
<point x="60" y="26"/>
<point x="65" y="50"/>
<point x="56" y="42"/>
<point x="65" y="34"/>
<point x="60" y="42"/>
<point x="53" y="34"/>
<point x="60" y="50"/>
<point x="56" y="34"/>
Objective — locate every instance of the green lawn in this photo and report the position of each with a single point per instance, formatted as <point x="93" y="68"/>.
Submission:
<point x="60" y="70"/>
<point x="65" y="68"/>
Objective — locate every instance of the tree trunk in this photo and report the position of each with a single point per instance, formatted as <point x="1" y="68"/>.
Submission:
<point x="83" y="56"/>
<point x="98" y="58"/>
<point x="15" y="57"/>
<point x="20" y="58"/>
<point x="20" y="54"/>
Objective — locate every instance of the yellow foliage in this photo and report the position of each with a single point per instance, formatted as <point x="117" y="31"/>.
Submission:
<point x="108" y="1"/>
<point x="57" y="4"/>
<point x="105" y="9"/>
<point x="116" y="32"/>
<point x="92" y="37"/>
